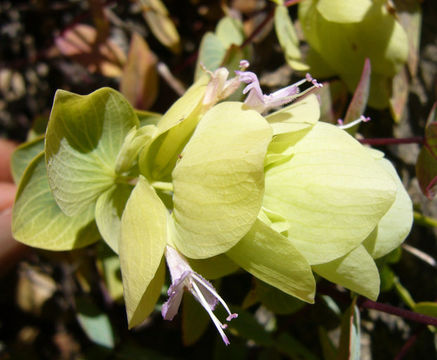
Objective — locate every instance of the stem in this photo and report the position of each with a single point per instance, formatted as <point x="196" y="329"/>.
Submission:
<point x="258" y="29"/>
<point x="405" y="314"/>
<point x="389" y="309"/>
<point x="291" y="3"/>
<point x="423" y="220"/>
<point x="410" y="342"/>
<point x="420" y="254"/>
<point x="265" y="22"/>
<point x="164" y="186"/>
<point x="392" y="141"/>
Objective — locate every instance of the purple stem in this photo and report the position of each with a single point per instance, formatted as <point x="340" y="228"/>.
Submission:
<point x="389" y="309"/>
<point x="258" y="29"/>
<point x="405" y="314"/>
<point x="393" y="141"/>
<point x="268" y="17"/>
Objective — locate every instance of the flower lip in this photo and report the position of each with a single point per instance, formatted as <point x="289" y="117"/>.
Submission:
<point x="263" y="102"/>
<point x="183" y="277"/>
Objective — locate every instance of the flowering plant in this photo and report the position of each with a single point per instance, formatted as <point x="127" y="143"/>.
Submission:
<point x="214" y="184"/>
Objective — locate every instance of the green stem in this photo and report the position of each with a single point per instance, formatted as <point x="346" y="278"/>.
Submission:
<point x="161" y="185"/>
<point x="130" y="180"/>
<point x="423" y="220"/>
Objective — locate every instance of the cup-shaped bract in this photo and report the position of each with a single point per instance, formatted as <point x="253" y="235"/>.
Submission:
<point x="219" y="180"/>
<point x="330" y="190"/>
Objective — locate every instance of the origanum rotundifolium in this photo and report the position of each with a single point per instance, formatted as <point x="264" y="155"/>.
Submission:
<point x="209" y="187"/>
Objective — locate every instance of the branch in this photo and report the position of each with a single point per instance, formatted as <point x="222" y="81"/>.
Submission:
<point x="393" y="141"/>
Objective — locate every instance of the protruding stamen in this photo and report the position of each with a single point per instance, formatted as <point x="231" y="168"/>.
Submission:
<point x="244" y="64"/>
<point x="351" y="124"/>
<point x="205" y="305"/>
<point x="215" y="294"/>
<point x="313" y="81"/>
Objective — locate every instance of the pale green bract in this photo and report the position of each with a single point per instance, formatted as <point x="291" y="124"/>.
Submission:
<point x="38" y="221"/>
<point x="219" y="180"/>
<point x="395" y="225"/>
<point x="331" y="191"/>
<point x="83" y="139"/>
<point x="141" y="250"/>
<point x="342" y="34"/>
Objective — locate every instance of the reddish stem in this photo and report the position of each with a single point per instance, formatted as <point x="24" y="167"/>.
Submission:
<point x="392" y="141"/>
<point x="389" y="309"/>
<point x="405" y="314"/>
<point x="407" y="346"/>
<point x="291" y="2"/>
<point x="258" y="29"/>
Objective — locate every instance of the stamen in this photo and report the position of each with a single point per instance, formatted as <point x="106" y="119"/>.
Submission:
<point x="216" y="321"/>
<point x="216" y="295"/>
<point x="244" y="64"/>
<point x="313" y="81"/>
<point x="361" y="119"/>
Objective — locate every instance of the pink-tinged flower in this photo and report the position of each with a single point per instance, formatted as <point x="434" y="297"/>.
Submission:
<point x="262" y="102"/>
<point x="183" y="277"/>
<point x="220" y="87"/>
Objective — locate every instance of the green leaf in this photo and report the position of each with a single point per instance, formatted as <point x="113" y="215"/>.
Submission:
<point x="230" y="32"/>
<point x="147" y="117"/>
<point x="332" y="192"/>
<point x="426" y="166"/>
<point x="39" y="222"/>
<point x="173" y="132"/>
<point x="328" y="348"/>
<point x="221" y="48"/>
<point x="404" y="294"/>
<point x="161" y="25"/>
<point x="293" y="348"/>
<point x="288" y="38"/>
<point x="109" y="209"/>
<point x="349" y="348"/>
<point x="95" y="323"/>
<point x="84" y="137"/>
<point x="387" y="278"/>
<point x="275" y="300"/>
<point x="343" y="46"/>
<point x="273" y="259"/>
<point x="23" y="155"/>
<point x="340" y="11"/>
<point x="428" y="308"/>
<point x="219" y="180"/>
<point x="213" y="268"/>
<point x="39" y="126"/>
<point x="108" y="263"/>
<point x="295" y="117"/>
<point x="356" y="271"/>
<point x="134" y="142"/>
<point x="211" y="54"/>
<point x="396" y="224"/>
<point x="195" y="320"/>
<point x="141" y="249"/>
<point x="249" y="328"/>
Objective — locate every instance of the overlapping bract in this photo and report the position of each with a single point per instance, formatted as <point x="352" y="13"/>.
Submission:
<point x="279" y="196"/>
<point x="342" y="34"/>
